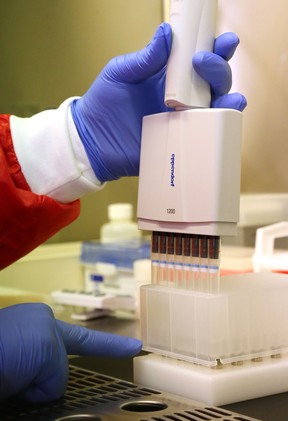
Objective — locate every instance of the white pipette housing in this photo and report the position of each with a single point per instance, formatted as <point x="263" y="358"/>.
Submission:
<point x="189" y="179"/>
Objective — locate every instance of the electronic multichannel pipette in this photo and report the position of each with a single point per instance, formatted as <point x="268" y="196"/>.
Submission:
<point x="189" y="183"/>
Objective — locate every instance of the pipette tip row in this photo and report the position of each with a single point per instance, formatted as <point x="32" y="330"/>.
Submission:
<point x="186" y="261"/>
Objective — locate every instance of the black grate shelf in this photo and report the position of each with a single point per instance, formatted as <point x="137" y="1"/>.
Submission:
<point x="92" y="396"/>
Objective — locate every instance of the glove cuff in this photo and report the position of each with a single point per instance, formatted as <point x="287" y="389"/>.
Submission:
<point x="51" y="155"/>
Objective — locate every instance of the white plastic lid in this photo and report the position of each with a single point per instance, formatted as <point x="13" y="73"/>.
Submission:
<point x="118" y="211"/>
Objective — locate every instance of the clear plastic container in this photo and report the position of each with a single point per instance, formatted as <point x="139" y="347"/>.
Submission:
<point x="120" y="227"/>
<point x="114" y="261"/>
<point x="247" y="319"/>
<point x="122" y="255"/>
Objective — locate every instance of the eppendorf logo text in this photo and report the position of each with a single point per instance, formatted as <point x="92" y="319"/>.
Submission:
<point x="172" y="172"/>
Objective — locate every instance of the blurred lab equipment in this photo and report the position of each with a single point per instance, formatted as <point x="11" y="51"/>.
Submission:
<point x="108" y="268"/>
<point x="266" y="256"/>
<point x="256" y="211"/>
<point x="120" y="227"/>
<point x="114" y="261"/>
<point x="110" y="279"/>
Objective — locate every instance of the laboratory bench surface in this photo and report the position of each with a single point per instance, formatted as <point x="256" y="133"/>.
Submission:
<point x="270" y="408"/>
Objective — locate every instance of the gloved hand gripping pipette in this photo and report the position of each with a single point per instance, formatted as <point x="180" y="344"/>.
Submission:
<point x="189" y="181"/>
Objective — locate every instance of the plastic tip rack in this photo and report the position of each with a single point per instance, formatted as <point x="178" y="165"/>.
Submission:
<point x="186" y="261"/>
<point x="247" y="319"/>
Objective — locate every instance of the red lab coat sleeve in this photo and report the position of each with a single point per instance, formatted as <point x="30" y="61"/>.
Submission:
<point x="26" y="219"/>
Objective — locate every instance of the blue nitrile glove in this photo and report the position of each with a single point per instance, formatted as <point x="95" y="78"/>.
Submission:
<point x="109" y="116"/>
<point x="213" y="67"/>
<point x="34" y="347"/>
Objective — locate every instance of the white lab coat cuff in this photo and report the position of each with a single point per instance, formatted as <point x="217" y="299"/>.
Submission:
<point x="51" y="155"/>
